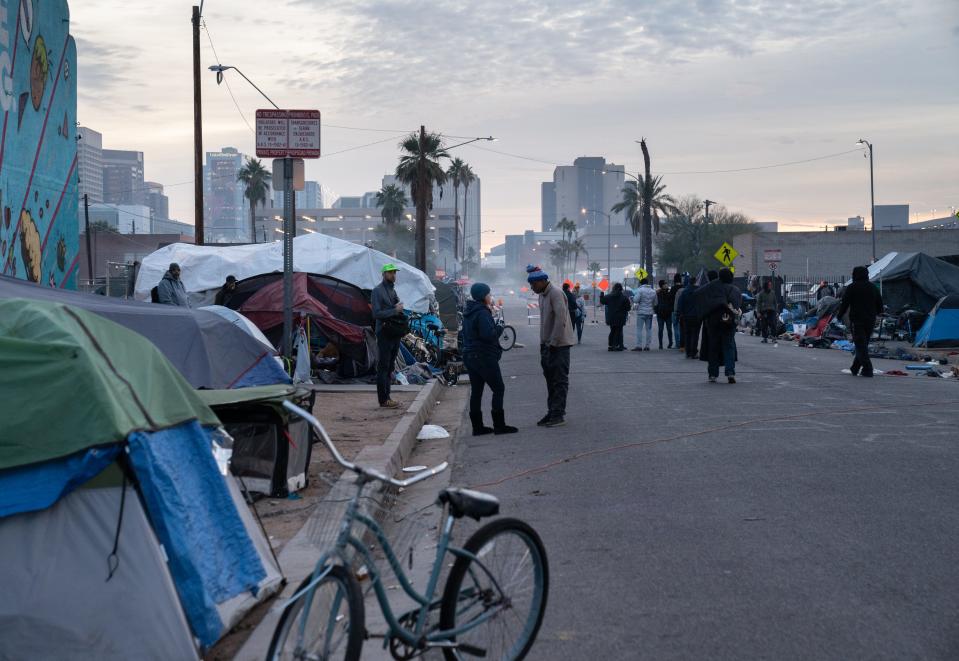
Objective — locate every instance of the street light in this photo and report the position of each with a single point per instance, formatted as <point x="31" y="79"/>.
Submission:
<point x="872" y="196"/>
<point x="609" y="238"/>
<point x="220" y="68"/>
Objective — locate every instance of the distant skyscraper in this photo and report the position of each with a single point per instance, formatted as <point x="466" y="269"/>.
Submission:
<point x="311" y="197"/>
<point x="226" y="215"/>
<point x="123" y="177"/>
<point x="90" y="165"/>
<point x="590" y="183"/>
<point x="158" y="202"/>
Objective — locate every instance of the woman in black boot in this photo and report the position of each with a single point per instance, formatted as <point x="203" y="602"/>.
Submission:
<point x="481" y="354"/>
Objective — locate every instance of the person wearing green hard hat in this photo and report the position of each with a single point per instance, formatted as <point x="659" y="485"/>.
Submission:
<point x="391" y="326"/>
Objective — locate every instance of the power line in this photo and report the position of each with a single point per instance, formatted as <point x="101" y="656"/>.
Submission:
<point x="228" y="88"/>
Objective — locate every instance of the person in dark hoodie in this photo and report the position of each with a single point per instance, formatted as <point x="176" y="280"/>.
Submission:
<point x="864" y="303"/>
<point x="711" y="276"/>
<point x="481" y="354"/>
<point x="688" y="310"/>
<point x="617" y="305"/>
<point x="721" y="300"/>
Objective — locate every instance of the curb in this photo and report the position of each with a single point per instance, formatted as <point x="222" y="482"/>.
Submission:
<point x="298" y="558"/>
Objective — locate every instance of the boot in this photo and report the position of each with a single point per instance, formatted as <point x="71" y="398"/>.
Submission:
<point x="499" y="424"/>
<point x="478" y="428"/>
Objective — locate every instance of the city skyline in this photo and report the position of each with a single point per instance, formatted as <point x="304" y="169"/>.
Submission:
<point x="711" y="88"/>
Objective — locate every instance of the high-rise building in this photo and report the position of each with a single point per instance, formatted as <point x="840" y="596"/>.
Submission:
<point x="311" y="197"/>
<point x="590" y="183"/>
<point x="90" y="165"/>
<point x="123" y="177"/>
<point x="227" y="219"/>
<point x="158" y="202"/>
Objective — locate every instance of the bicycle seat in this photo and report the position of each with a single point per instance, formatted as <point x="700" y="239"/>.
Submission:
<point x="466" y="502"/>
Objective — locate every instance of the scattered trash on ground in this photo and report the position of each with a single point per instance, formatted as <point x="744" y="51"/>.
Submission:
<point x="432" y="432"/>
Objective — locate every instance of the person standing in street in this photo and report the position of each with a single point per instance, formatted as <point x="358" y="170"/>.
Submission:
<point x="721" y="304"/>
<point x="673" y="296"/>
<point x="226" y="291"/>
<point x="767" y="311"/>
<point x="824" y="290"/>
<point x="171" y="290"/>
<point x="617" y="305"/>
<point x="571" y="303"/>
<point x="691" y="322"/>
<point x="555" y="337"/>
<point x="664" y="313"/>
<point x="580" y="320"/>
<point x="481" y="354"/>
<point x="390" y="325"/>
<point x="644" y="300"/>
<point x="864" y="303"/>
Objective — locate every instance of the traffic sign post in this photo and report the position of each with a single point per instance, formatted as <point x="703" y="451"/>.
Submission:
<point x="726" y="254"/>
<point x="290" y="135"/>
<point x="641" y="273"/>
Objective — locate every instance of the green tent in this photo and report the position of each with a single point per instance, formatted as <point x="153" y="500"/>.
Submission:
<point x="72" y="380"/>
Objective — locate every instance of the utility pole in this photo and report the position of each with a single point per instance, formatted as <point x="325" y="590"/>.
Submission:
<point x="707" y="204"/>
<point x="421" y="209"/>
<point x="197" y="135"/>
<point x="872" y="205"/>
<point x="289" y="225"/>
<point x="86" y="221"/>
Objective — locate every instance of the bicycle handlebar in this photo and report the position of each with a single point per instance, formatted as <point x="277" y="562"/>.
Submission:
<point x="349" y="465"/>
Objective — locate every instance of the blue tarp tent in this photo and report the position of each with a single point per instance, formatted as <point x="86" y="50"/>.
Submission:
<point x="942" y="326"/>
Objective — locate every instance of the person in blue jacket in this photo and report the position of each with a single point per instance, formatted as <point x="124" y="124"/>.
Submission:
<point x="481" y="354"/>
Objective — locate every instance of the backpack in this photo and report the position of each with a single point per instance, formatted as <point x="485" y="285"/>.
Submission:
<point x="155" y="295"/>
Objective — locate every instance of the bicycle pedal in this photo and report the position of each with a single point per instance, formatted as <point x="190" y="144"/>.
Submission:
<point x="472" y="651"/>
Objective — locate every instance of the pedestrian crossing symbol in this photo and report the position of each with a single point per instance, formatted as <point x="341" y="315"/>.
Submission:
<point x="641" y="273"/>
<point x="726" y="254"/>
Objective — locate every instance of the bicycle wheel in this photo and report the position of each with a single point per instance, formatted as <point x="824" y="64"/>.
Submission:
<point x="511" y="580"/>
<point x="508" y="338"/>
<point x="334" y="626"/>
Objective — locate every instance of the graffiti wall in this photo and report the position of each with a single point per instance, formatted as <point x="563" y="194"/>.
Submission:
<point x="38" y="146"/>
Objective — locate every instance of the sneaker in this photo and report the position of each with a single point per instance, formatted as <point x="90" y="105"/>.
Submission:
<point x="765" y="341"/>
<point x="389" y="404"/>
<point x="556" y="422"/>
<point x="731" y="379"/>
<point x="636" y="349"/>
<point x="712" y="379"/>
<point x="542" y="421"/>
<point x="645" y="348"/>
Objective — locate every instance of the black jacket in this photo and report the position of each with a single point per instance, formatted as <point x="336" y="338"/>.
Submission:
<point x="715" y="295"/>
<point x="688" y="300"/>
<point x="571" y="304"/>
<point x="617" y="305"/>
<point x="480" y="332"/>
<point x="863" y="301"/>
<point x="665" y="298"/>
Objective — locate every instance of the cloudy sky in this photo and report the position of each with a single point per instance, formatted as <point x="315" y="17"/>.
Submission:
<point x="712" y="85"/>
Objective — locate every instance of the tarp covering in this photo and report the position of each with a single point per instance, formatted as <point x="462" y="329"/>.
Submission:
<point x="73" y="380"/>
<point x="211" y="556"/>
<point x="941" y="328"/>
<point x="240" y="322"/>
<point x="204" y="268"/>
<point x="914" y="280"/>
<point x="208" y="350"/>
<point x="57" y="602"/>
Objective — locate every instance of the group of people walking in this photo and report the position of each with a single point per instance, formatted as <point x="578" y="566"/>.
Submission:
<point x="699" y="320"/>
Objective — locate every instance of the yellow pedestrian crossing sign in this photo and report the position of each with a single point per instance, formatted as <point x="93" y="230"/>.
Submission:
<point x="726" y="254"/>
<point x="641" y="273"/>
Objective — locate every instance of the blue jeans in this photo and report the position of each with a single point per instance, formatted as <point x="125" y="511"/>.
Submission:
<point x="676" y="331"/>
<point x="722" y="348"/>
<point x="644" y="321"/>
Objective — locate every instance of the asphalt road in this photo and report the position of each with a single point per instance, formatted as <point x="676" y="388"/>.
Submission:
<point x="799" y="514"/>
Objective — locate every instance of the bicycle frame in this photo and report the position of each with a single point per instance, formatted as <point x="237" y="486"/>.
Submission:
<point x="345" y="538"/>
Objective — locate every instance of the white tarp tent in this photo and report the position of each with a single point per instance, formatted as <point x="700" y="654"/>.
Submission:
<point x="204" y="268"/>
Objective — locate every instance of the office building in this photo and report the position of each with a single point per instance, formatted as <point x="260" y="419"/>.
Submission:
<point x="590" y="183"/>
<point x="226" y="215"/>
<point x="123" y="177"/>
<point x="124" y="218"/>
<point x="311" y="197"/>
<point x="90" y="165"/>
<point x="547" y="205"/>
<point x="158" y="202"/>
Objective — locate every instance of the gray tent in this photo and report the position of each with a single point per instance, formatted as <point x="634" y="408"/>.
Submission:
<point x="913" y="280"/>
<point x="209" y="351"/>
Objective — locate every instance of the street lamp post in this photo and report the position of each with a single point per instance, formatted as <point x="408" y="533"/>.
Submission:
<point x="872" y="197"/>
<point x="472" y="234"/>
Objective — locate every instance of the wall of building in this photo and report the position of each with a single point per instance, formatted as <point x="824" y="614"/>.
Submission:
<point x="110" y="247"/>
<point x="836" y="253"/>
<point x="38" y="173"/>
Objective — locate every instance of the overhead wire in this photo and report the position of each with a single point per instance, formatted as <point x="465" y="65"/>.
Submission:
<point x="228" y="88"/>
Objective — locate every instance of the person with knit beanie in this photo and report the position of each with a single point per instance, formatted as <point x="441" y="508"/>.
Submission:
<point x="481" y="354"/>
<point x="555" y="339"/>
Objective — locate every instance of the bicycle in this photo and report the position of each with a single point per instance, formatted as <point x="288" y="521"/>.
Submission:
<point x="507" y="338"/>
<point x="499" y="578"/>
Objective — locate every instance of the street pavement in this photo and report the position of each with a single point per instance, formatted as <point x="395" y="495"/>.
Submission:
<point x="801" y="513"/>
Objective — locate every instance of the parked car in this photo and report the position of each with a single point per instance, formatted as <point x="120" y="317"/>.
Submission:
<point x="799" y="292"/>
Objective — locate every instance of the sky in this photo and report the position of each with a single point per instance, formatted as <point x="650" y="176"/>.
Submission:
<point x="711" y="84"/>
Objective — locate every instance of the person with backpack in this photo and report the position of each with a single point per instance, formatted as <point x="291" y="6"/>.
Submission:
<point x="864" y="303"/>
<point x="664" y="313"/>
<point x="481" y="355"/>
<point x="580" y="320"/>
<point x="617" y="305"/>
<point x="644" y="300"/>
<point x="720" y="306"/>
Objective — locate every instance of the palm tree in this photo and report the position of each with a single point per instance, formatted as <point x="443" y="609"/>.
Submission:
<point x="467" y="177"/>
<point x="568" y="228"/>
<point x="654" y="201"/>
<point x="256" y="178"/>
<point x="558" y="255"/>
<point x="453" y="174"/>
<point x="392" y="201"/>
<point x="419" y="168"/>
<point x="578" y="246"/>
<point x="593" y="269"/>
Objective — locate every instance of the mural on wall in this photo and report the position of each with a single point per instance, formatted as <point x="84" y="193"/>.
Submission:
<point x="39" y="235"/>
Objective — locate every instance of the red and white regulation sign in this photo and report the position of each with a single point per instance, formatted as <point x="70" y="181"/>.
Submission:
<point x="287" y="133"/>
